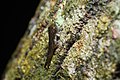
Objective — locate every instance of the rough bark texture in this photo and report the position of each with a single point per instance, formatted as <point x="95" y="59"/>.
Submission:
<point x="81" y="36"/>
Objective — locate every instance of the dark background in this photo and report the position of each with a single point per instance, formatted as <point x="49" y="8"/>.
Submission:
<point x="15" y="17"/>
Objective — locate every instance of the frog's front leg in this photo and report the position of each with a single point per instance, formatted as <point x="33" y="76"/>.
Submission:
<point x="51" y="46"/>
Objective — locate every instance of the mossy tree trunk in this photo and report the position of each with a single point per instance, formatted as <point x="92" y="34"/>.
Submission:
<point x="69" y="40"/>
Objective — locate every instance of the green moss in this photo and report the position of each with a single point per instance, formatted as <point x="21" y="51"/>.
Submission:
<point x="87" y="39"/>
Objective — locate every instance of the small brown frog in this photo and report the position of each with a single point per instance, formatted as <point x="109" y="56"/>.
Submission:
<point x="51" y="46"/>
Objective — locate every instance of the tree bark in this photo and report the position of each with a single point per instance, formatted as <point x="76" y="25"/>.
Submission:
<point x="69" y="40"/>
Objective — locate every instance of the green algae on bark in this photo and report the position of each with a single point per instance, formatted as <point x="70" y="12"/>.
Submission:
<point x="87" y="40"/>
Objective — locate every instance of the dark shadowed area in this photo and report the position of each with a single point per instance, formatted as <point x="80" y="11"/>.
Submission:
<point x="16" y="15"/>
